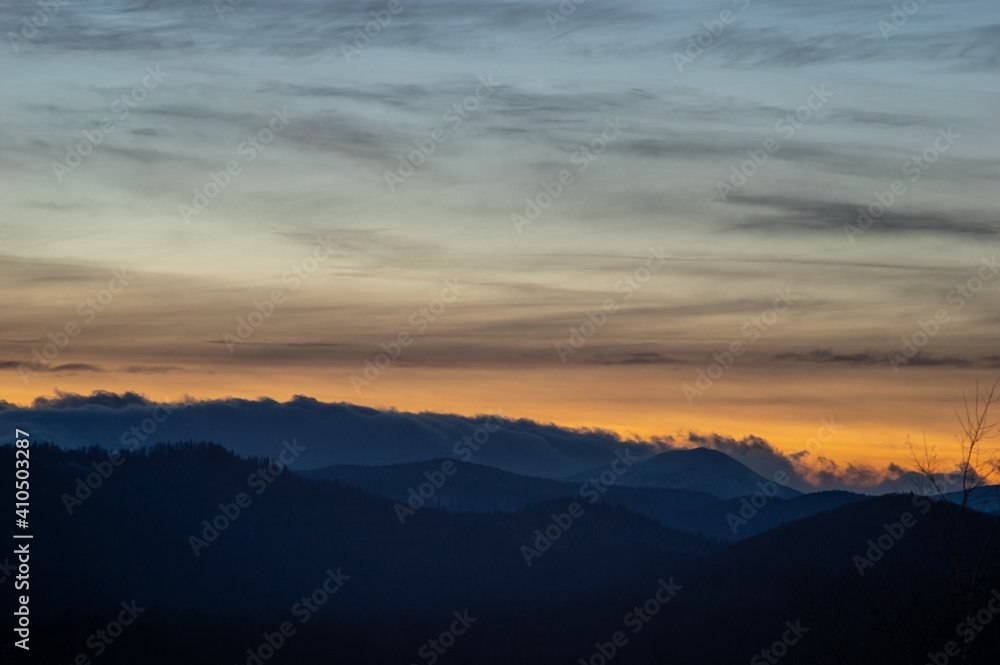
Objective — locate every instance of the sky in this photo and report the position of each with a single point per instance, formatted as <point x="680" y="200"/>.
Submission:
<point x="654" y="218"/>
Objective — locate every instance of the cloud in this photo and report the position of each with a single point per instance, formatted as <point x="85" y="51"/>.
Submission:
<point x="880" y="118"/>
<point x="754" y="452"/>
<point x="333" y="433"/>
<point x="871" y="358"/>
<point x="74" y="367"/>
<point x="340" y="433"/>
<point x="97" y="399"/>
<point x="151" y="369"/>
<point x="948" y="361"/>
<point x="825" y="356"/>
<point x="790" y="43"/>
<point x="810" y="471"/>
<point x="632" y="358"/>
<point x="66" y="367"/>
<point x="794" y="215"/>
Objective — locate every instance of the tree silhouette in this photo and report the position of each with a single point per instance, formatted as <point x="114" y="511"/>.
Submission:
<point x="971" y="558"/>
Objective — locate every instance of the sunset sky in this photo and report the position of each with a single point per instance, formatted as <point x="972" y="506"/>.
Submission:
<point x="487" y="104"/>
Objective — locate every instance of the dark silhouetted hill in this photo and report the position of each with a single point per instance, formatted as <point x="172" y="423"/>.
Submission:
<point x="129" y="540"/>
<point x="478" y="488"/>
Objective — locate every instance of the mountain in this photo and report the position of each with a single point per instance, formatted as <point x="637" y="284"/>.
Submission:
<point x="737" y="519"/>
<point x="483" y="489"/>
<point x="867" y="580"/>
<point x="701" y="469"/>
<point x="984" y="499"/>
<point x="176" y="510"/>
<point x="107" y="534"/>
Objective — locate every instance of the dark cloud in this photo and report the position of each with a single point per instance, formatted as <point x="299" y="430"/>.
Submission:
<point x="305" y="28"/>
<point x="634" y="358"/>
<point x="74" y="367"/>
<point x="785" y="34"/>
<point x="794" y="215"/>
<point x="870" y="358"/>
<point x="332" y="433"/>
<point x="880" y="118"/>
<point x="151" y="369"/>
<point x="98" y="398"/>
<point x="826" y="356"/>
<point x="754" y="452"/>
<point x="66" y="367"/>
<point x="783" y="45"/>
<point x="921" y="360"/>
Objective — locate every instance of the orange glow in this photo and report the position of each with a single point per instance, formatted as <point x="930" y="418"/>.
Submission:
<point x="785" y="407"/>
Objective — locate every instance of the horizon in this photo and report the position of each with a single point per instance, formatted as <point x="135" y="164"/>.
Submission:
<point x="248" y="427"/>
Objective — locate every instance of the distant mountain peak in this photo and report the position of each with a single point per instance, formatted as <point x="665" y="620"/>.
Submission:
<point x="703" y="469"/>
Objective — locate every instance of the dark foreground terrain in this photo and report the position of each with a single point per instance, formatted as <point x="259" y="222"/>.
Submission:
<point x="189" y="554"/>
